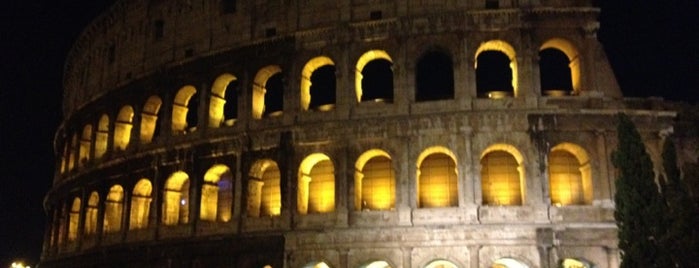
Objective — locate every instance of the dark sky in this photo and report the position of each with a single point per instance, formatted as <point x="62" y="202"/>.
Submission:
<point x="652" y="46"/>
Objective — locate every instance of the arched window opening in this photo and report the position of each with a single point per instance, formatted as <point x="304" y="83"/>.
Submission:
<point x="377" y="84"/>
<point x="150" y="127"/>
<point x="502" y="178"/>
<point x="260" y="91"/>
<point x="374" y="77"/>
<point x="318" y="84"/>
<point x="91" y="214"/>
<point x="508" y="263"/>
<point x="74" y="220"/>
<point x="570" y="180"/>
<point x="264" y="190"/>
<point x="316" y="265"/>
<point x="496" y="70"/>
<point x="316" y="185"/>
<point x="140" y="205"/>
<point x="113" y="209"/>
<point x="102" y="136"/>
<point x="72" y="152"/>
<point x="434" y="77"/>
<point x="554" y="72"/>
<point x="375" y="183"/>
<point x="493" y="75"/>
<point x="565" y="71"/>
<point x="85" y="145"/>
<point x="176" y="199"/>
<point x="376" y="264"/>
<point x="223" y="106"/>
<point x="437" y="180"/>
<point x="274" y="98"/>
<point x="122" y="128"/>
<point x="441" y="264"/>
<point x="574" y="263"/>
<point x="217" y="194"/>
<point x="184" y="110"/>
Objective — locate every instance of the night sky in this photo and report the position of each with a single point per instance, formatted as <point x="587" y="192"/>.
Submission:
<point x="652" y="46"/>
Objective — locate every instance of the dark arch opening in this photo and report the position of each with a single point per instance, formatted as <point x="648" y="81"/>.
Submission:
<point x="554" y="71"/>
<point x="192" y="111"/>
<point x="230" y="109"/>
<point x="493" y="73"/>
<point x="274" y="97"/>
<point x="434" y="78"/>
<point x="377" y="81"/>
<point x="323" y="86"/>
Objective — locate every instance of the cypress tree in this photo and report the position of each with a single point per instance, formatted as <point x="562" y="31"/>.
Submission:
<point x="681" y="239"/>
<point x="639" y="206"/>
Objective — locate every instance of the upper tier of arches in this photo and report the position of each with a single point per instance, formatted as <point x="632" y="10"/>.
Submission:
<point x="137" y="40"/>
<point x="226" y="100"/>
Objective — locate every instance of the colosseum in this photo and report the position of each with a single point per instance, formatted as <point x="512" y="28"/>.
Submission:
<point x="384" y="133"/>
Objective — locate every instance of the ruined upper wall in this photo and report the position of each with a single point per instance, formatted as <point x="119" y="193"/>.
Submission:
<point x="135" y="39"/>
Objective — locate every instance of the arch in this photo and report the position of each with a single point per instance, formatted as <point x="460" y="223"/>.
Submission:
<point x="85" y="145"/>
<point x="441" y="264"/>
<point x="502" y="175"/>
<point x="434" y="76"/>
<point x="122" y="127"/>
<point x="140" y="204"/>
<point x="74" y="219"/>
<point x="437" y="183"/>
<point x="509" y="52"/>
<point x="574" y="263"/>
<point x="223" y="102"/>
<point x="113" y="209"/>
<point x="570" y="178"/>
<point x="316" y="185"/>
<point x="573" y="55"/>
<point x="376" y="264"/>
<point x="176" y="199"/>
<point x="149" y="119"/>
<point x="264" y="190"/>
<point x="182" y="119"/>
<point x="91" y="213"/>
<point x="316" y="265"/>
<point x="102" y="136"/>
<point x="508" y="263"/>
<point x="371" y="56"/>
<point x="259" y="90"/>
<point x="374" y="181"/>
<point x="217" y="194"/>
<point x="316" y="88"/>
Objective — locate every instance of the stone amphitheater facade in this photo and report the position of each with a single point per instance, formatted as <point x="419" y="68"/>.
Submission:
<point x="349" y="133"/>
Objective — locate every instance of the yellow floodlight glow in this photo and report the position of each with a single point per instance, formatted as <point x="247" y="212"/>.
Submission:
<point x="218" y="99"/>
<point x="216" y="201"/>
<point x="374" y="179"/>
<point x="259" y="90"/>
<point x="316" y="186"/>
<point x="180" y="108"/>
<point x="437" y="178"/>
<point x="502" y="175"/>
<point x="149" y="118"/>
<point x="573" y="55"/>
<point x="306" y="74"/>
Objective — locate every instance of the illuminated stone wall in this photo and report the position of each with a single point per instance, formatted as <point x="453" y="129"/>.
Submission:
<point x="195" y="136"/>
